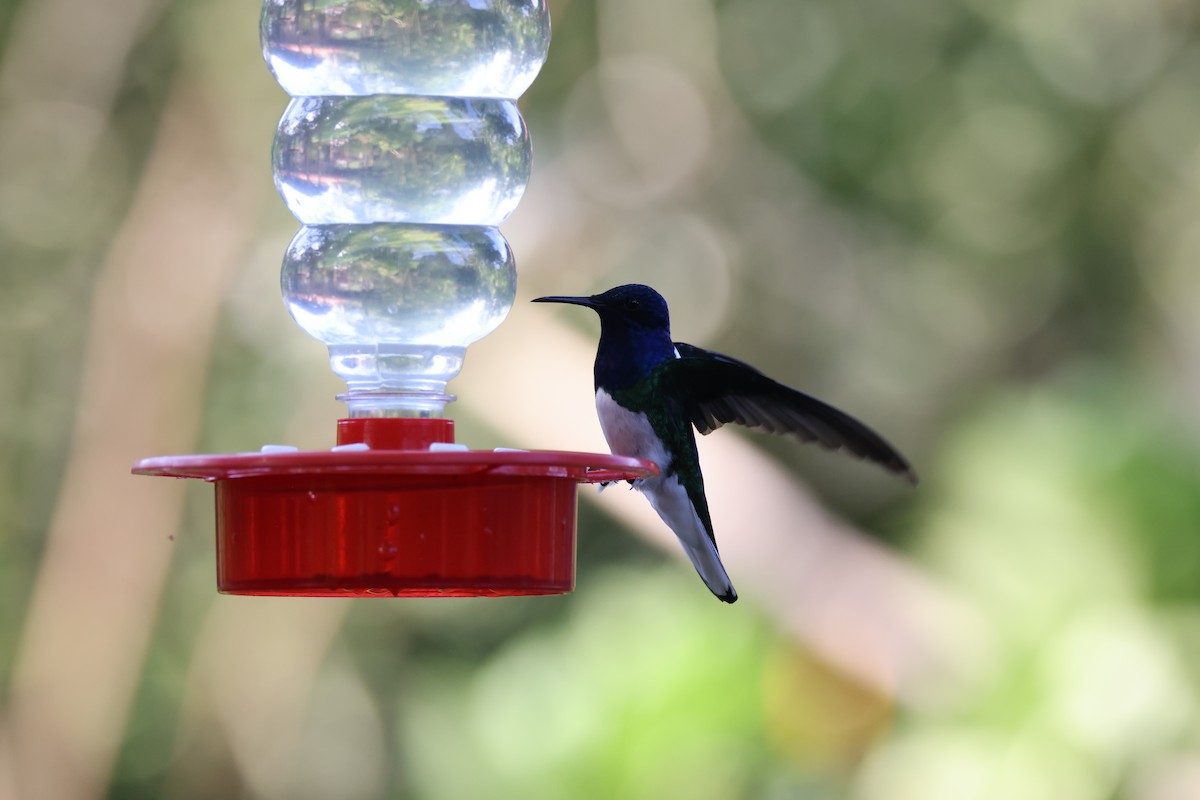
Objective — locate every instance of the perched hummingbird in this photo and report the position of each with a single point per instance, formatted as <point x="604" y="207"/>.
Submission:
<point x="650" y="391"/>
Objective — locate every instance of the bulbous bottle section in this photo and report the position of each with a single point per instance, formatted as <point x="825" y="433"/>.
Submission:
<point x="461" y="48"/>
<point x="397" y="306"/>
<point x="392" y="158"/>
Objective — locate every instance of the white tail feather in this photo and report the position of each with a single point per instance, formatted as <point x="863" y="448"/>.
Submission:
<point x="671" y="501"/>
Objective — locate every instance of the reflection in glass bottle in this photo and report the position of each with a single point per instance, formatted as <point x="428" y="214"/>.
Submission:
<point x="390" y="158"/>
<point x="421" y="283"/>
<point x="460" y="48"/>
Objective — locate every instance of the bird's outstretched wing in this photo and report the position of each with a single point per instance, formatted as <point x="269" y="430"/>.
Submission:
<point x="715" y="389"/>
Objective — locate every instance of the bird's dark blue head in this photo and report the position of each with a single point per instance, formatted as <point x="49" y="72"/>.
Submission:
<point x="635" y="333"/>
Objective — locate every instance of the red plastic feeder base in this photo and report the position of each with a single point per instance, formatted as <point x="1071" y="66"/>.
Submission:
<point x="388" y="516"/>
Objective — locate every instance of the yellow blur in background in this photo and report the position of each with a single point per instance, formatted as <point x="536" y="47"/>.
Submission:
<point x="970" y="224"/>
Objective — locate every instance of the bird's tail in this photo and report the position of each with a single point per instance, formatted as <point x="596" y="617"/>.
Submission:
<point x="670" y="500"/>
<point x="712" y="571"/>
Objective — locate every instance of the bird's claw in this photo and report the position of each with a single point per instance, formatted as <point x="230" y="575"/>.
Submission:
<point x="633" y="484"/>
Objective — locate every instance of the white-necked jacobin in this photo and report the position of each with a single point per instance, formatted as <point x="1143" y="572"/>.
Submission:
<point x="650" y="391"/>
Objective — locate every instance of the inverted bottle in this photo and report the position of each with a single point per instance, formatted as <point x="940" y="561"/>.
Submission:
<point x="401" y="151"/>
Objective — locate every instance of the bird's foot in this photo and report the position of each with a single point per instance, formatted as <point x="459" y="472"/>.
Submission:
<point x="633" y="484"/>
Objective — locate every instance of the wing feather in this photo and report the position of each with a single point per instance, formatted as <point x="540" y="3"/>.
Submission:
<point x="715" y="389"/>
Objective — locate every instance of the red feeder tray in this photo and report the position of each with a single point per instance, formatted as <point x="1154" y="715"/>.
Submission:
<point x="394" y="518"/>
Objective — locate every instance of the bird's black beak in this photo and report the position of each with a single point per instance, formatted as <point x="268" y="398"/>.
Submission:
<point x="590" y="302"/>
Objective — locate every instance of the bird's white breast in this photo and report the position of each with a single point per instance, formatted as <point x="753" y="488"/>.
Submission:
<point x="629" y="433"/>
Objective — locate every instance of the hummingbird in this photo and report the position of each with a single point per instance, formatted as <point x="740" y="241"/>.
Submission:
<point x="651" y="391"/>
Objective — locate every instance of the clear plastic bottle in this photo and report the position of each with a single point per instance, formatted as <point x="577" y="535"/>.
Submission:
<point x="401" y="151"/>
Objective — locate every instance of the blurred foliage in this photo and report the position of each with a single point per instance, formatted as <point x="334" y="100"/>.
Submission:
<point x="971" y="223"/>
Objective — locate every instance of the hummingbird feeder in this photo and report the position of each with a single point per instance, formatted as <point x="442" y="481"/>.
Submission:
<point x="400" y="152"/>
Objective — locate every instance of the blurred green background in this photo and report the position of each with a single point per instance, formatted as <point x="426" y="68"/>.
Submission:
<point x="970" y="223"/>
